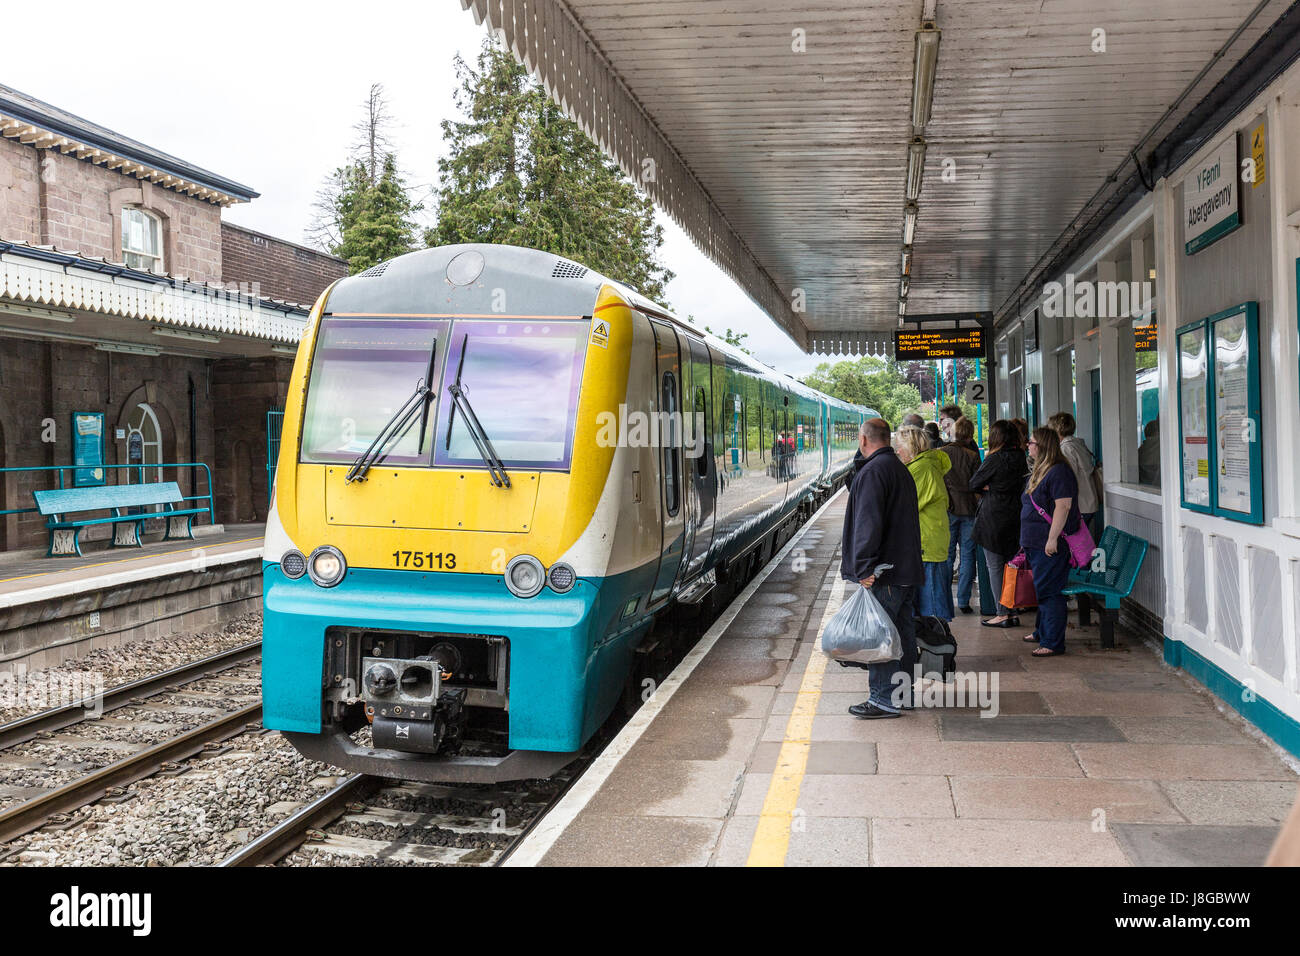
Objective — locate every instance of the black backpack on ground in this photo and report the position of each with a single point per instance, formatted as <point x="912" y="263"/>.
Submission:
<point x="936" y="648"/>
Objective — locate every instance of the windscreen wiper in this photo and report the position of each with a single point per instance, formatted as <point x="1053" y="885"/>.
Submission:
<point x="398" y="425"/>
<point x="472" y="425"/>
<point x="481" y="440"/>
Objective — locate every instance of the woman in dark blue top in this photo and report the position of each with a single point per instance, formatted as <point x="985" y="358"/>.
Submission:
<point x="1053" y="487"/>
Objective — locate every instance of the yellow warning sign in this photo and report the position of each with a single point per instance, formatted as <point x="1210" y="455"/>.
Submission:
<point x="600" y="333"/>
<point x="1257" y="154"/>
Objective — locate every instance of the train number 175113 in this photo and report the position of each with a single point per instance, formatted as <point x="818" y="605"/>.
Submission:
<point x="437" y="560"/>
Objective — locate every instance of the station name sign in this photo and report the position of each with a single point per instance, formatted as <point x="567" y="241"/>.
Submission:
<point x="911" y="345"/>
<point x="1210" y="201"/>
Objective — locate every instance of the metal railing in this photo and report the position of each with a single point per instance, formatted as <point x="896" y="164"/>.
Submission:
<point x="60" y="469"/>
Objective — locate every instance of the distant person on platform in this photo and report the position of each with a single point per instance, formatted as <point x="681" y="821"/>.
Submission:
<point x="1022" y="426"/>
<point x="914" y="421"/>
<point x="948" y="416"/>
<point x="999" y="480"/>
<point x="928" y="467"/>
<point x="1081" y="462"/>
<point x="882" y="526"/>
<point x="1149" y="455"/>
<point x="962" y="506"/>
<point x="936" y="437"/>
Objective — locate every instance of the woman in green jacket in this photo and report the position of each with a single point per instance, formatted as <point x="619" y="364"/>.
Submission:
<point x="928" y="466"/>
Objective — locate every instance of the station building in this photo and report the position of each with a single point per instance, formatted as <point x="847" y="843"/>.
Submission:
<point x="143" y="339"/>
<point x="123" y="294"/>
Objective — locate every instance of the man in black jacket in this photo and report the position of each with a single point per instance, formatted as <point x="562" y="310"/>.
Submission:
<point x="882" y="526"/>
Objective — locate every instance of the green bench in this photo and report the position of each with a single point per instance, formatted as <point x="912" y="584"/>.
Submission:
<point x="62" y="506"/>
<point x="1122" y="555"/>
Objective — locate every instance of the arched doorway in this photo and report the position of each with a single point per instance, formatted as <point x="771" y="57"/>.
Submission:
<point x="143" y="445"/>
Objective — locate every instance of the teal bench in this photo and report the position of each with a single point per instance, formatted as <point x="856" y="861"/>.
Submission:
<point x="1122" y="553"/>
<point x="62" y="506"/>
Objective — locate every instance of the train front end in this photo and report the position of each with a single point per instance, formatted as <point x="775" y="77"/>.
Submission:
<point x="437" y="553"/>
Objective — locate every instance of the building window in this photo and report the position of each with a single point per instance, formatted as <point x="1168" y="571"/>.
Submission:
<point x="1148" y="401"/>
<point x="141" y="240"/>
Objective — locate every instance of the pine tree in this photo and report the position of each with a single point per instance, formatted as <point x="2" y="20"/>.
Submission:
<point x="519" y="172"/>
<point x="375" y="220"/>
<point x="364" y="212"/>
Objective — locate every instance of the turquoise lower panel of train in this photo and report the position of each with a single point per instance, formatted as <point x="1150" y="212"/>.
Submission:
<point x="570" y="654"/>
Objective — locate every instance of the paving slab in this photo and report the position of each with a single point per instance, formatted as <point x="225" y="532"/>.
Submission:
<point x="1028" y="728"/>
<point x="977" y="759"/>
<point x="1181" y="762"/>
<point x="910" y="842"/>
<point x="1233" y="802"/>
<point x="614" y="840"/>
<point x="857" y="795"/>
<point x="1063" y="798"/>
<point x="1151" y="844"/>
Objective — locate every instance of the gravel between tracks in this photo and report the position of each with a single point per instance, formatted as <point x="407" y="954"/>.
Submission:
<point x="196" y="818"/>
<point x="125" y="663"/>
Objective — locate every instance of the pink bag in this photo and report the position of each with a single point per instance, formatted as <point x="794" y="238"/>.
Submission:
<point x="1081" y="543"/>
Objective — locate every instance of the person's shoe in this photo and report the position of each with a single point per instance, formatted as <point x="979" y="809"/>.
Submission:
<point x="966" y="609"/>
<point x="869" y="711"/>
<point x="1009" y="622"/>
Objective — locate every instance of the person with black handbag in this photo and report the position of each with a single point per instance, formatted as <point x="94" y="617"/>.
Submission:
<point x="999" y="480"/>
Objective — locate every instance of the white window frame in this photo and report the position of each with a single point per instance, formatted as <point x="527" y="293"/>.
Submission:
<point x="142" y="258"/>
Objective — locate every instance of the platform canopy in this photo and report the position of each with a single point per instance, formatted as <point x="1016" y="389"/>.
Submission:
<point x="779" y="136"/>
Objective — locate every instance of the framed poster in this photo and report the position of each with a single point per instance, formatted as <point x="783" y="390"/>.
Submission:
<point x="1194" y="448"/>
<point x="87" y="449"/>
<point x="1238" y="451"/>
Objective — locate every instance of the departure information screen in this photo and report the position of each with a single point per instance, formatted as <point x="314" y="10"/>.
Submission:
<point x="919" y="345"/>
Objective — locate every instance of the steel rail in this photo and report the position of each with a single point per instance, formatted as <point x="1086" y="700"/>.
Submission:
<point x="291" y="832"/>
<point x="47" y="721"/>
<point x="30" y="814"/>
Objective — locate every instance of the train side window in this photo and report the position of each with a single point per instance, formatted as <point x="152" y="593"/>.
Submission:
<point x="671" y="440"/>
<point x="700" y="434"/>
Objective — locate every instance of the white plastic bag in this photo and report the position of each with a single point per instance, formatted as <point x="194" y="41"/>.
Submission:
<point x="861" y="631"/>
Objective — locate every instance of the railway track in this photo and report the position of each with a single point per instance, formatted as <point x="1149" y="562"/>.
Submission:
<point x="368" y="820"/>
<point x="60" y="718"/>
<point x="111" y="781"/>
<point x="56" y="727"/>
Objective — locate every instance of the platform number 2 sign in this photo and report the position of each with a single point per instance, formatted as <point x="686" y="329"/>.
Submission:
<point x="977" y="391"/>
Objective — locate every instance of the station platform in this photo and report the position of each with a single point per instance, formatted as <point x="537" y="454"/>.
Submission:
<point x="747" y="755"/>
<point x="52" y="609"/>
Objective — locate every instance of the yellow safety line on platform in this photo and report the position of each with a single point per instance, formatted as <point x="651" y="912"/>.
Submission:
<point x="772" y="838"/>
<point x="100" y="564"/>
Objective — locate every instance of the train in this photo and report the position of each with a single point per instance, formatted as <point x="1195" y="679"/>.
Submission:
<point x="499" y="472"/>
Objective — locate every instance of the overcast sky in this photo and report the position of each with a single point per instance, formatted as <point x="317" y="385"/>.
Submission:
<point x="266" y="94"/>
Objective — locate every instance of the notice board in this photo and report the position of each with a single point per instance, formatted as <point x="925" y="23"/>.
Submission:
<point x="1219" y="443"/>
<point x="87" y="448"/>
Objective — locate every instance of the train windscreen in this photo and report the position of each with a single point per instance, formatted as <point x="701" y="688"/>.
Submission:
<point x="522" y="380"/>
<point x="363" y="371"/>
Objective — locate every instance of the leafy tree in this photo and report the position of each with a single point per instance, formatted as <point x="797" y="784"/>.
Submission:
<point x="736" y="339"/>
<point x="519" y="172"/>
<point x="870" y="380"/>
<point x="364" y="212"/>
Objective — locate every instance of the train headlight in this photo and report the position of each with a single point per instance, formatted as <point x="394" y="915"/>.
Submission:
<point x="561" y="577"/>
<point x="326" y="566"/>
<point x="293" y="564"/>
<point x="525" y="576"/>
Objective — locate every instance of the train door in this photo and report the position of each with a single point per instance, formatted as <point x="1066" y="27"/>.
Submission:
<point x="668" y="400"/>
<point x="701" y="464"/>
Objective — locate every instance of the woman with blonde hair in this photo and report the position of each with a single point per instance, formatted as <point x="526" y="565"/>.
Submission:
<point x="1049" y="508"/>
<point x="928" y="466"/>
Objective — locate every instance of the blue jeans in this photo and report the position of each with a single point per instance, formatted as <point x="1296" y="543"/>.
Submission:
<point x="1051" y="573"/>
<point x="888" y="691"/>
<point x="961" y="530"/>
<point x="935" y="599"/>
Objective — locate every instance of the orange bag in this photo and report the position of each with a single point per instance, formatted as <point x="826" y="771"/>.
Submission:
<point x="1017" y="587"/>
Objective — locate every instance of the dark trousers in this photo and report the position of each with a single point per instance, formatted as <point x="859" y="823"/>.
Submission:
<point x="1051" y="573"/>
<point x="888" y="690"/>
